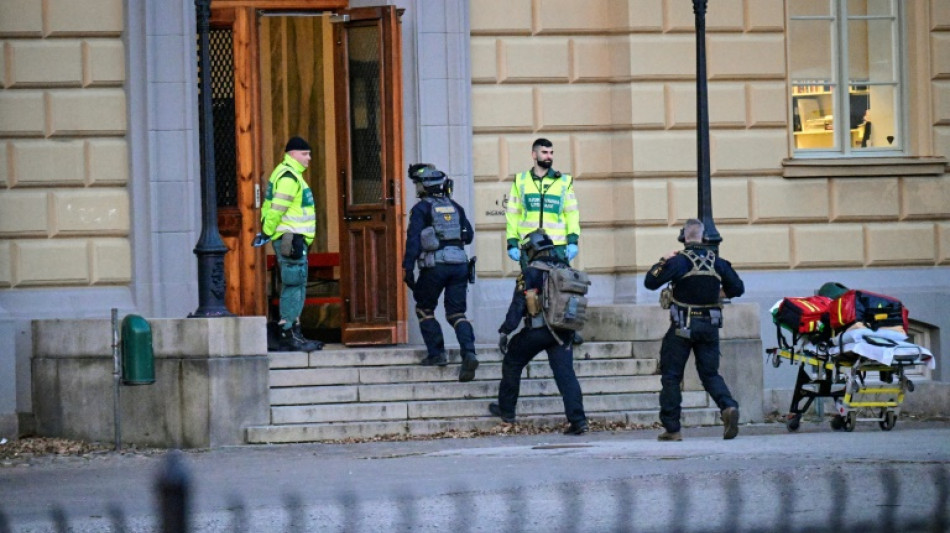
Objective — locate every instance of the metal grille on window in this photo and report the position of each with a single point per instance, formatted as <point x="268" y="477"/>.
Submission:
<point x="222" y="106"/>
<point x="366" y="135"/>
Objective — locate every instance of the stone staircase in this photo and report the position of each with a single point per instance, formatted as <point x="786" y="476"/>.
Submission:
<point x="340" y="393"/>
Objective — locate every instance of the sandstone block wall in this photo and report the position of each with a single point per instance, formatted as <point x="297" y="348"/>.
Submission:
<point x="612" y="84"/>
<point x="64" y="166"/>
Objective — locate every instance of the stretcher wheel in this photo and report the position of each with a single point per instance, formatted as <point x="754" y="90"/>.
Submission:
<point x="793" y="421"/>
<point x="890" y="420"/>
<point x="851" y="421"/>
<point x="837" y="422"/>
<point x="776" y="360"/>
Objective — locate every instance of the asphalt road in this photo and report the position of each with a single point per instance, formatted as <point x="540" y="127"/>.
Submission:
<point x="765" y="480"/>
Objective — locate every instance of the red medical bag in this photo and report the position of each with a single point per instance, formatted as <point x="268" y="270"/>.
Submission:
<point x="874" y="310"/>
<point x="803" y="314"/>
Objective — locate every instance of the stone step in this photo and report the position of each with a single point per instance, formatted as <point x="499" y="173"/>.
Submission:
<point x="319" y="432"/>
<point x="395" y="392"/>
<point x="340" y="393"/>
<point x="487" y="370"/>
<point x="337" y="355"/>
<point x="425" y="409"/>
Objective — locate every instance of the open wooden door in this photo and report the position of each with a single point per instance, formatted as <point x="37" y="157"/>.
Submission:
<point x="368" y="93"/>
<point x="236" y="169"/>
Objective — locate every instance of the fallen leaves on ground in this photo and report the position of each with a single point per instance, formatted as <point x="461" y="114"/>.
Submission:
<point x="38" y="446"/>
<point x="502" y="429"/>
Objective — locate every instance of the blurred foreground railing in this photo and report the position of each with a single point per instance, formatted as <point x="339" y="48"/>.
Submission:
<point x="862" y="504"/>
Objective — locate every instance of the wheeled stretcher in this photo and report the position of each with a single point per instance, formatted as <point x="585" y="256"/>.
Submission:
<point x="844" y="368"/>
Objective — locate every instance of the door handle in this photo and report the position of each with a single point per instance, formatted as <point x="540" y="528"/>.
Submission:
<point x="392" y="191"/>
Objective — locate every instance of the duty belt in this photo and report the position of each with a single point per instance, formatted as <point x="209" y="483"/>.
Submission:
<point x="681" y="316"/>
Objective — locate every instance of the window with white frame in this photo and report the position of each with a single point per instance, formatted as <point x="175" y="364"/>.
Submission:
<point x="844" y="59"/>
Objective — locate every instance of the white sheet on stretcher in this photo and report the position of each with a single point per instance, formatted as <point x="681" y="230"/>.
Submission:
<point x="883" y="346"/>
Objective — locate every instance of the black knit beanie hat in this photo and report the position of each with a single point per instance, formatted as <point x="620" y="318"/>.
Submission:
<point x="296" y="143"/>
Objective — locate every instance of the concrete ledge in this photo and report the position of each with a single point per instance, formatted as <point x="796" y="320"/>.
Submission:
<point x="650" y="322"/>
<point x="741" y="346"/>
<point x="194" y="337"/>
<point x="211" y="382"/>
<point x="741" y="367"/>
<point x="929" y="399"/>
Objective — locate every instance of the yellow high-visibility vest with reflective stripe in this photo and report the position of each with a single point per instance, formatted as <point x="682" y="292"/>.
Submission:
<point x="288" y="205"/>
<point x="559" y="216"/>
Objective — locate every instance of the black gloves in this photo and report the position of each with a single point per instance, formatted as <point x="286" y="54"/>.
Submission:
<point x="409" y="277"/>
<point x="503" y="343"/>
<point x="298" y="246"/>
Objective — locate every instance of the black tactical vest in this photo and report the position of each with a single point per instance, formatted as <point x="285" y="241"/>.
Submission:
<point x="700" y="286"/>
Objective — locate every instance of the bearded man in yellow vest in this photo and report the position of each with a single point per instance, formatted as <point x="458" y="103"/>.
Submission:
<point x="289" y="222"/>
<point x="543" y="198"/>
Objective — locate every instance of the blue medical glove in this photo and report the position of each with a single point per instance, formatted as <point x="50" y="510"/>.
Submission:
<point x="260" y="240"/>
<point x="514" y="253"/>
<point x="571" y="252"/>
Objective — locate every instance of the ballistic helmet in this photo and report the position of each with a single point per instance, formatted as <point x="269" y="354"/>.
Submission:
<point x="537" y="244"/>
<point x="429" y="180"/>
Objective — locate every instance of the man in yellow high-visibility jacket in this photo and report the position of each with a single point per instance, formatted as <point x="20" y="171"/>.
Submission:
<point x="543" y="186"/>
<point x="289" y="221"/>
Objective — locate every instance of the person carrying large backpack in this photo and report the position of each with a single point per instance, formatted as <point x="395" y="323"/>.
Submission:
<point x="550" y="312"/>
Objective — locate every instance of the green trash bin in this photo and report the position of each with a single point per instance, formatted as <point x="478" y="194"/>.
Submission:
<point x="138" y="361"/>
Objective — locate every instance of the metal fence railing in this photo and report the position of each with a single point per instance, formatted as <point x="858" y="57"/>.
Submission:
<point x="860" y="503"/>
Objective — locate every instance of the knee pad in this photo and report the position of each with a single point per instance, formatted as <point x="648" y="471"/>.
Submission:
<point x="456" y="319"/>
<point x="425" y="314"/>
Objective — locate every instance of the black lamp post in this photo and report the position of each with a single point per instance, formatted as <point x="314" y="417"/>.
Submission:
<point x="704" y="214"/>
<point x="210" y="248"/>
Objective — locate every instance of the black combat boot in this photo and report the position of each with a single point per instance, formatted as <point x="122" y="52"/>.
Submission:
<point x="310" y="345"/>
<point x="469" y="364"/>
<point x="577" y="428"/>
<point x="435" y="360"/>
<point x="495" y="409"/>
<point x="288" y="342"/>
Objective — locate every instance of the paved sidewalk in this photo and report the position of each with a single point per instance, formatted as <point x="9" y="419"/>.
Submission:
<point x="434" y="484"/>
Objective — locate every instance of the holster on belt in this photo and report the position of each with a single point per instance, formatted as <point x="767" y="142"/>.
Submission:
<point x="679" y="316"/>
<point x="532" y="301"/>
<point x="471" y="269"/>
<point x="682" y="316"/>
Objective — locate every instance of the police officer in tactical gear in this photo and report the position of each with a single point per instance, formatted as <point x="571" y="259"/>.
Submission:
<point x="534" y="337"/>
<point x="697" y="276"/>
<point x="438" y="230"/>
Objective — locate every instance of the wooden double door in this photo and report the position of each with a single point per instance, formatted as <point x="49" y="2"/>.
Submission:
<point x="333" y="76"/>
